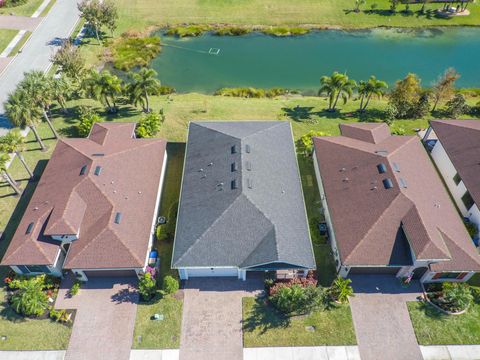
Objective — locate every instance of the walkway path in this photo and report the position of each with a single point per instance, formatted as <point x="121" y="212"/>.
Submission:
<point x="36" y="55"/>
<point x="212" y="318"/>
<point x="381" y="318"/>
<point x="19" y="22"/>
<point x="105" y="318"/>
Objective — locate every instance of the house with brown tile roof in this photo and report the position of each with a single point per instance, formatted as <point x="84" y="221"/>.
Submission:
<point x="386" y="208"/>
<point x="454" y="146"/>
<point x="95" y="207"/>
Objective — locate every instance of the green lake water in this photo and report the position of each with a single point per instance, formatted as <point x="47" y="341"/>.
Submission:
<point x="256" y="60"/>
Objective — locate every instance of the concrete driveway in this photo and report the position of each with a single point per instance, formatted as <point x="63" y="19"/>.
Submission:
<point x="105" y="319"/>
<point x="212" y="318"/>
<point x="381" y="318"/>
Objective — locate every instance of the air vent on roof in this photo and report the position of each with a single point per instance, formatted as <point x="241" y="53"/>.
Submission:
<point x="381" y="168"/>
<point x="396" y="167"/>
<point x="248" y="165"/>
<point x="403" y="183"/>
<point x="98" y="154"/>
<point x="387" y="183"/>
<point x="98" y="170"/>
<point x="83" y="170"/>
<point x="233" y="167"/>
<point x="29" y="228"/>
<point x="118" y="217"/>
<point x="234" y="184"/>
<point x="234" y="149"/>
<point x="247" y="149"/>
<point x="250" y="183"/>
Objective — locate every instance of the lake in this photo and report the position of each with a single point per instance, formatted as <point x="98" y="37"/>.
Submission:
<point x="207" y="63"/>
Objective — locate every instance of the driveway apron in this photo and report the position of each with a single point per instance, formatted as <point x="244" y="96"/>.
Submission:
<point x="105" y="318"/>
<point x="212" y="318"/>
<point x="381" y="319"/>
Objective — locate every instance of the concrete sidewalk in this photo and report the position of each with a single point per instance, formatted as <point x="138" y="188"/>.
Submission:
<point x="302" y="353"/>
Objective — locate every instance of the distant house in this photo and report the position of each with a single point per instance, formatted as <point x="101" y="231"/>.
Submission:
<point x="241" y="205"/>
<point x="94" y="208"/>
<point x="455" y="148"/>
<point x="387" y="209"/>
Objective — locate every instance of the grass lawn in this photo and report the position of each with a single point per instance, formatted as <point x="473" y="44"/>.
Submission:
<point x="158" y="334"/>
<point x="264" y="326"/>
<point x="26" y="9"/>
<point x="6" y="35"/>
<point x="435" y="328"/>
<point x="21" y="43"/>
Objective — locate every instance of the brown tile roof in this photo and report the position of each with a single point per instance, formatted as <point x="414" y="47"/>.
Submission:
<point x="367" y="216"/>
<point x="461" y="141"/>
<point x="122" y="175"/>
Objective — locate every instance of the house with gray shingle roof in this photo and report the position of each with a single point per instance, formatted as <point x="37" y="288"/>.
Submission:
<point x="386" y="208"/>
<point x="241" y="204"/>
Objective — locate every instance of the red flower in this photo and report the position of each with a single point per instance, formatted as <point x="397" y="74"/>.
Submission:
<point x="7" y="280"/>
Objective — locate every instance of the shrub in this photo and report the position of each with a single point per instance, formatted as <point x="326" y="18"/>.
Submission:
<point x="188" y="30"/>
<point x="130" y="52"/>
<point x="87" y="118"/>
<point x="30" y="300"/>
<point x="147" y="286"/>
<point x="60" y="316"/>
<point x="286" y="31"/>
<point x="457" y="296"/>
<point x="302" y="282"/>
<point x="250" y="92"/>
<point x="456" y="107"/>
<point x="166" y="90"/>
<point x="471" y="228"/>
<point x="306" y="140"/>
<point x="149" y="125"/>
<point x="341" y="289"/>
<point x="231" y="31"/>
<point x="161" y="232"/>
<point x="288" y="299"/>
<point x="475" y="293"/>
<point x="75" y="288"/>
<point x="170" y="285"/>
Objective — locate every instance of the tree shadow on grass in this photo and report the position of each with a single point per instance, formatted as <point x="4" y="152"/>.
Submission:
<point x="264" y="317"/>
<point x="307" y="115"/>
<point x="431" y="312"/>
<point x="371" y="115"/>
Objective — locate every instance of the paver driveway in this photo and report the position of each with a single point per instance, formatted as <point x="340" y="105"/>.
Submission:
<point x="212" y="318"/>
<point x="381" y="318"/>
<point x="105" y="319"/>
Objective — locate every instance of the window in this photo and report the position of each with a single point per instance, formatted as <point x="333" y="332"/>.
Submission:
<point x="83" y="170"/>
<point x="467" y="200"/>
<point x="27" y="269"/>
<point x="29" y="228"/>
<point x="457" y="179"/>
<point x="450" y="275"/>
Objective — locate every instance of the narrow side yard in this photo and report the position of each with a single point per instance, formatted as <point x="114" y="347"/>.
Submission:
<point x="264" y="326"/>
<point x="435" y="328"/>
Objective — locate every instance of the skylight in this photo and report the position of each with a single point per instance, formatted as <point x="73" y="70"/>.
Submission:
<point x="234" y="167"/>
<point x="387" y="183"/>
<point x="247" y="149"/>
<point x="29" y="228"/>
<point x="98" y="170"/>
<point x="396" y="167"/>
<point x="248" y="165"/>
<point x="118" y="217"/>
<point x="402" y="182"/>
<point x="234" y="185"/>
<point x="234" y="149"/>
<point x="381" y="168"/>
<point x="83" y="170"/>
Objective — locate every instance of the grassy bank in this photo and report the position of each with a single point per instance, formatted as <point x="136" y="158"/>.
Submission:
<point x="263" y="326"/>
<point x="6" y="36"/>
<point x="26" y="9"/>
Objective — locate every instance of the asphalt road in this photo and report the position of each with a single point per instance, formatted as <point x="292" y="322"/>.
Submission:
<point x="36" y="55"/>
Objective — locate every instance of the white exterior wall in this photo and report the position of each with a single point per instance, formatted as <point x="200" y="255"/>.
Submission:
<point x="186" y="273"/>
<point x="448" y="171"/>
<point x="343" y="271"/>
<point x="65" y="238"/>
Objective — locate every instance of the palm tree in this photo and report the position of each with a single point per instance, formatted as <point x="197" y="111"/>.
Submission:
<point x="341" y="289"/>
<point x="4" y="159"/>
<point x="358" y="3"/>
<point x="37" y="86"/>
<point x="368" y="88"/>
<point x="336" y="86"/>
<point x="144" y="83"/>
<point x="104" y="87"/>
<point x="61" y="91"/>
<point x="14" y="143"/>
<point x="22" y="113"/>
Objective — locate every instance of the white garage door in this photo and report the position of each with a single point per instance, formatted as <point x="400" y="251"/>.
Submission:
<point x="213" y="272"/>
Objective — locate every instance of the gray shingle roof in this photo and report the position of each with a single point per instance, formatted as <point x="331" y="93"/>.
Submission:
<point x="256" y="220"/>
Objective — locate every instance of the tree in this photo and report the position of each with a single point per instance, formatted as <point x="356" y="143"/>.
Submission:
<point x="21" y="113"/>
<point x="69" y="61"/>
<point x="147" y="286"/>
<point x="149" y="125"/>
<point x="405" y="95"/>
<point x="4" y="159"/>
<point x="170" y="285"/>
<point x="307" y="140"/>
<point x="104" y="87"/>
<point x="98" y="14"/>
<point x="14" y="143"/>
<point x="30" y="300"/>
<point x="445" y="86"/>
<point x="368" y="88"/>
<point x="61" y="90"/>
<point x="87" y="118"/>
<point x="393" y="5"/>
<point x="424" y="2"/>
<point x="358" y="3"/>
<point x="336" y="86"/>
<point x="422" y="107"/>
<point x="341" y="289"/>
<point x="456" y="106"/>
<point x="143" y="84"/>
<point x="37" y="85"/>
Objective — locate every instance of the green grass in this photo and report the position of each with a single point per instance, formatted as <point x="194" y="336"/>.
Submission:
<point x="263" y="326"/>
<point x="20" y="44"/>
<point x="48" y="8"/>
<point x="158" y="334"/>
<point x="26" y="9"/>
<point x="435" y="328"/>
<point x="6" y="35"/>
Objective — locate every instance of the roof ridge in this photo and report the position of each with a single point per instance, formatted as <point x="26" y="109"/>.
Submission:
<point x="215" y="130"/>
<point x="470" y="255"/>
<point x="409" y="140"/>
<point x="275" y="123"/>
